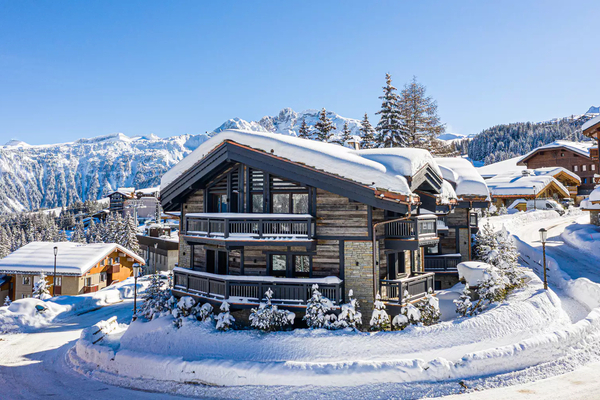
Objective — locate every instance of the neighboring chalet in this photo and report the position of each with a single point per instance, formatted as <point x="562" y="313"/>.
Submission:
<point x="572" y="156"/>
<point x="261" y="211"/>
<point x="80" y="268"/>
<point x="456" y="225"/>
<point x="505" y="189"/>
<point x="592" y="204"/>
<point x="591" y="129"/>
<point x="140" y="203"/>
<point x="160" y="247"/>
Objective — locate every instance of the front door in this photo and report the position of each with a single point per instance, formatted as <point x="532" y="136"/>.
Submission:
<point x="395" y="265"/>
<point x="216" y="262"/>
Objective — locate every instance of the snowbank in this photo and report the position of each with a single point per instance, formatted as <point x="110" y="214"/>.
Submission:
<point x="473" y="271"/>
<point x="585" y="237"/>
<point x="464" y="175"/>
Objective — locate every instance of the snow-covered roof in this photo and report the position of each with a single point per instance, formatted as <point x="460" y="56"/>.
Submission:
<point x="582" y="148"/>
<point x="447" y="193"/>
<point x="521" y="185"/>
<point x="383" y="169"/>
<point x="554" y="171"/>
<point x="502" y="167"/>
<point x="586" y="205"/>
<point x="464" y="175"/>
<point x="149" y="191"/>
<point x="591" y="123"/>
<point x="71" y="259"/>
<point x="123" y="191"/>
<point x="595" y="195"/>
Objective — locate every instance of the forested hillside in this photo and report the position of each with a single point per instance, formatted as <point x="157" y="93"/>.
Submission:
<point x="502" y="142"/>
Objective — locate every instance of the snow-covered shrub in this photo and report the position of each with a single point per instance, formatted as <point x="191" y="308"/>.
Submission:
<point x="204" y="311"/>
<point x="507" y="259"/>
<point x="409" y="314"/>
<point x="464" y="306"/>
<point x="40" y="288"/>
<point x="224" y="319"/>
<point x="158" y="300"/>
<point x="350" y="316"/>
<point x="502" y="210"/>
<point x="183" y="310"/>
<point x="429" y="309"/>
<point x="7" y="301"/>
<point x="380" y="320"/>
<point x="317" y="308"/>
<point x="267" y="317"/>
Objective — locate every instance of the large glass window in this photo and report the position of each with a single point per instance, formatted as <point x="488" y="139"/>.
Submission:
<point x="279" y="264"/>
<point x="301" y="266"/>
<point x="300" y="203"/>
<point x="281" y="203"/>
<point x="290" y="203"/>
<point x="257" y="203"/>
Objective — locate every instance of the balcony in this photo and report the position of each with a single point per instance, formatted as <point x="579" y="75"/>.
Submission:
<point x="442" y="263"/>
<point x="90" y="289"/>
<point x="234" y="227"/>
<point x="416" y="286"/>
<point x="412" y="233"/>
<point x="247" y="291"/>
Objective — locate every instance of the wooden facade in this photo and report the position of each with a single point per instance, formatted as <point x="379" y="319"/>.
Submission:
<point x="579" y="164"/>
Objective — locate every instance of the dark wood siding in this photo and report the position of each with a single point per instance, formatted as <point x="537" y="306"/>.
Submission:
<point x="340" y="216"/>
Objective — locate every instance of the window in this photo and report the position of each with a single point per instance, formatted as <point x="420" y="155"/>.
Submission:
<point x="290" y="203"/>
<point x="102" y="276"/>
<point x="278" y="264"/>
<point x="281" y="203"/>
<point x="58" y="281"/>
<point x="593" y="167"/>
<point x="25" y="296"/>
<point x="575" y="168"/>
<point x="117" y="260"/>
<point x="584" y="180"/>
<point x="26" y="280"/>
<point x="584" y="167"/>
<point x="88" y="281"/>
<point x="562" y="154"/>
<point x="301" y="266"/>
<point x="257" y="203"/>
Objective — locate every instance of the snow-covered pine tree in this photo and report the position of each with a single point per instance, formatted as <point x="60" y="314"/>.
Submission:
<point x="129" y="236"/>
<point x="418" y="113"/>
<point x="345" y="137"/>
<point x="485" y="242"/>
<point x="202" y="311"/>
<point x="182" y="311"/>
<point x="367" y="134"/>
<point x="463" y="304"/>
<point x="62" y="236"/>
<point x="350" y="316"/>
<point x="380" y="320"/>
<point x="4" y="243"/>
<point x="78" y="235"/>
<point x="390" y="132"/>
<point x="7" y="301"/>
<point x="317" y="308"/>
<point x="224" y="320"/>
<point x="267" y="317"/>
<point x="508" y="259"/>
<point x="429" y="307"/>
<point x="40" y="288"/>
<point x="304" y="131"/>
<point x="92" y="232"/>
<point x="324" y="127"/>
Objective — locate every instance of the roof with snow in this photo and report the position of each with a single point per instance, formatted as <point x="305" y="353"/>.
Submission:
<point x="581" y="148"/>
<point x="595" y="195"/>
<point x="522" y="185"/>
<point x="71" y="259"/>
<point x="389" y="170"/>
<point x="554" y="171"/>
<point x="592" y="122"/>
<point x="468" y="183"/>
<point x="502" y="167"/>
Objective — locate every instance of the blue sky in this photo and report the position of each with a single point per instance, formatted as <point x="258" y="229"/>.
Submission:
<point x="72" y="69"/>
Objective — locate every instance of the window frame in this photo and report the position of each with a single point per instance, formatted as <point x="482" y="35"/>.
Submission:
<point x="26" y="280"/>
<point x="290" y="265"/>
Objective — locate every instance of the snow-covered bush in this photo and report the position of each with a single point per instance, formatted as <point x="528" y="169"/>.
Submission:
<point x="350" y="316"/>
<point x="409" y="314"/>
<point x="7" y="301"/>
<point x="380" y="320"/>
<point x="267" y="317"/>
<point x="464" y="306"/>
<point x="158" y="300"/>
<point x="502" y="210"/>
<point x="40" y="288"/>
<point x="429" y="309"/>
<point x="202" y="312"/>
<point x="317" y="308"/>
<point x="224" y="319"/>
<point x="183" y="310"/>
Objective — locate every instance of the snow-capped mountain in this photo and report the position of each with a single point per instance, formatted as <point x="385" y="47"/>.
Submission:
<point x="55" y="175"/>
<point x="287" y="122"/>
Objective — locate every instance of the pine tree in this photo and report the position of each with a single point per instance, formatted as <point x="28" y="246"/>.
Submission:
<point x="40" y="289"/>
<point x="7" y="301"/>
<point x="324" y="127"/>
<point x="268" y="317"/>
<point x="129" y="237"/>
<point x="304" y="131"/>
<point x="317" y="308"/>
<point x="380" y="320"/>
<point x="346" y="135"/>
<point x="367" y="134"/>
<point x="78" y="235"/>
<point x="390" y="132"/>
<point x="4" y="243"/>
<point x="224" y="319"/>
<point x="350" y="316"/>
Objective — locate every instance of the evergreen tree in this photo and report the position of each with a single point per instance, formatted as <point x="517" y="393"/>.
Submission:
<point x="419" y="116"/>
<point x="324" y="127"/>
<point x="7" y="301"/>
<point x="390" y="132"/>
<point x="317" y="308"/>
<point x="4" y="243"/>
<point x="350" y="316"/>
<point x="224" y="319"/>
<point x="346" y="135"/>
<point x="367" y="134"/>
<point x="304" y="131"/>
<point x="40" y="288"/>
<point x="78" y="235"/>
<point x="129" y="238"/>
<point x="380" y="320"/>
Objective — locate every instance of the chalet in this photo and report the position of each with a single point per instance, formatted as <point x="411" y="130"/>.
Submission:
<point x="505" y="189"/>
<point x="591" y="129"/>
<point x="592" y="204"/>
<point x="160" y="247"/>
<point x="572" y="156"/>
<point x="458" y="223"/>
<point x="80" y="268"/>
<point x="261" y="211"/>
<point x="6" y="286"/>
<point x="142" y="204"/>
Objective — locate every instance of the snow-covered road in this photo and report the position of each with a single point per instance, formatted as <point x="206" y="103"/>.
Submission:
<point x="33" y="365"/>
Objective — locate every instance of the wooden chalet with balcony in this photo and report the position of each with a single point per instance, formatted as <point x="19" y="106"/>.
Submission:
<point x="261" y="211"/>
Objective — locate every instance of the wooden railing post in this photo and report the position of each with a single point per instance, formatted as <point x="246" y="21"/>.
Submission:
<point x="226" y="227"/>
<point x="227" y="289"/>
<point x="208" y="227"/>
<point x="260" y="227"/>
<point x="416" y="228"/>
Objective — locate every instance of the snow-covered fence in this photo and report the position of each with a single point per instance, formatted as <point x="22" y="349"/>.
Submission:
<point x="104" y="328"/>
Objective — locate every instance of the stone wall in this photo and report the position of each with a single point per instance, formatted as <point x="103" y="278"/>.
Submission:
<point x="359" y="278"/>
<point x="595" y="217"/>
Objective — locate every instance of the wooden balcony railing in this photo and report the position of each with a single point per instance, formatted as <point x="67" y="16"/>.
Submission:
<point x="290" y="291"/>
<point x="249" y="226"/>
<point x="421" y="227"/>
<point x="416" y="286"/>
<point x="442" y="263"/>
